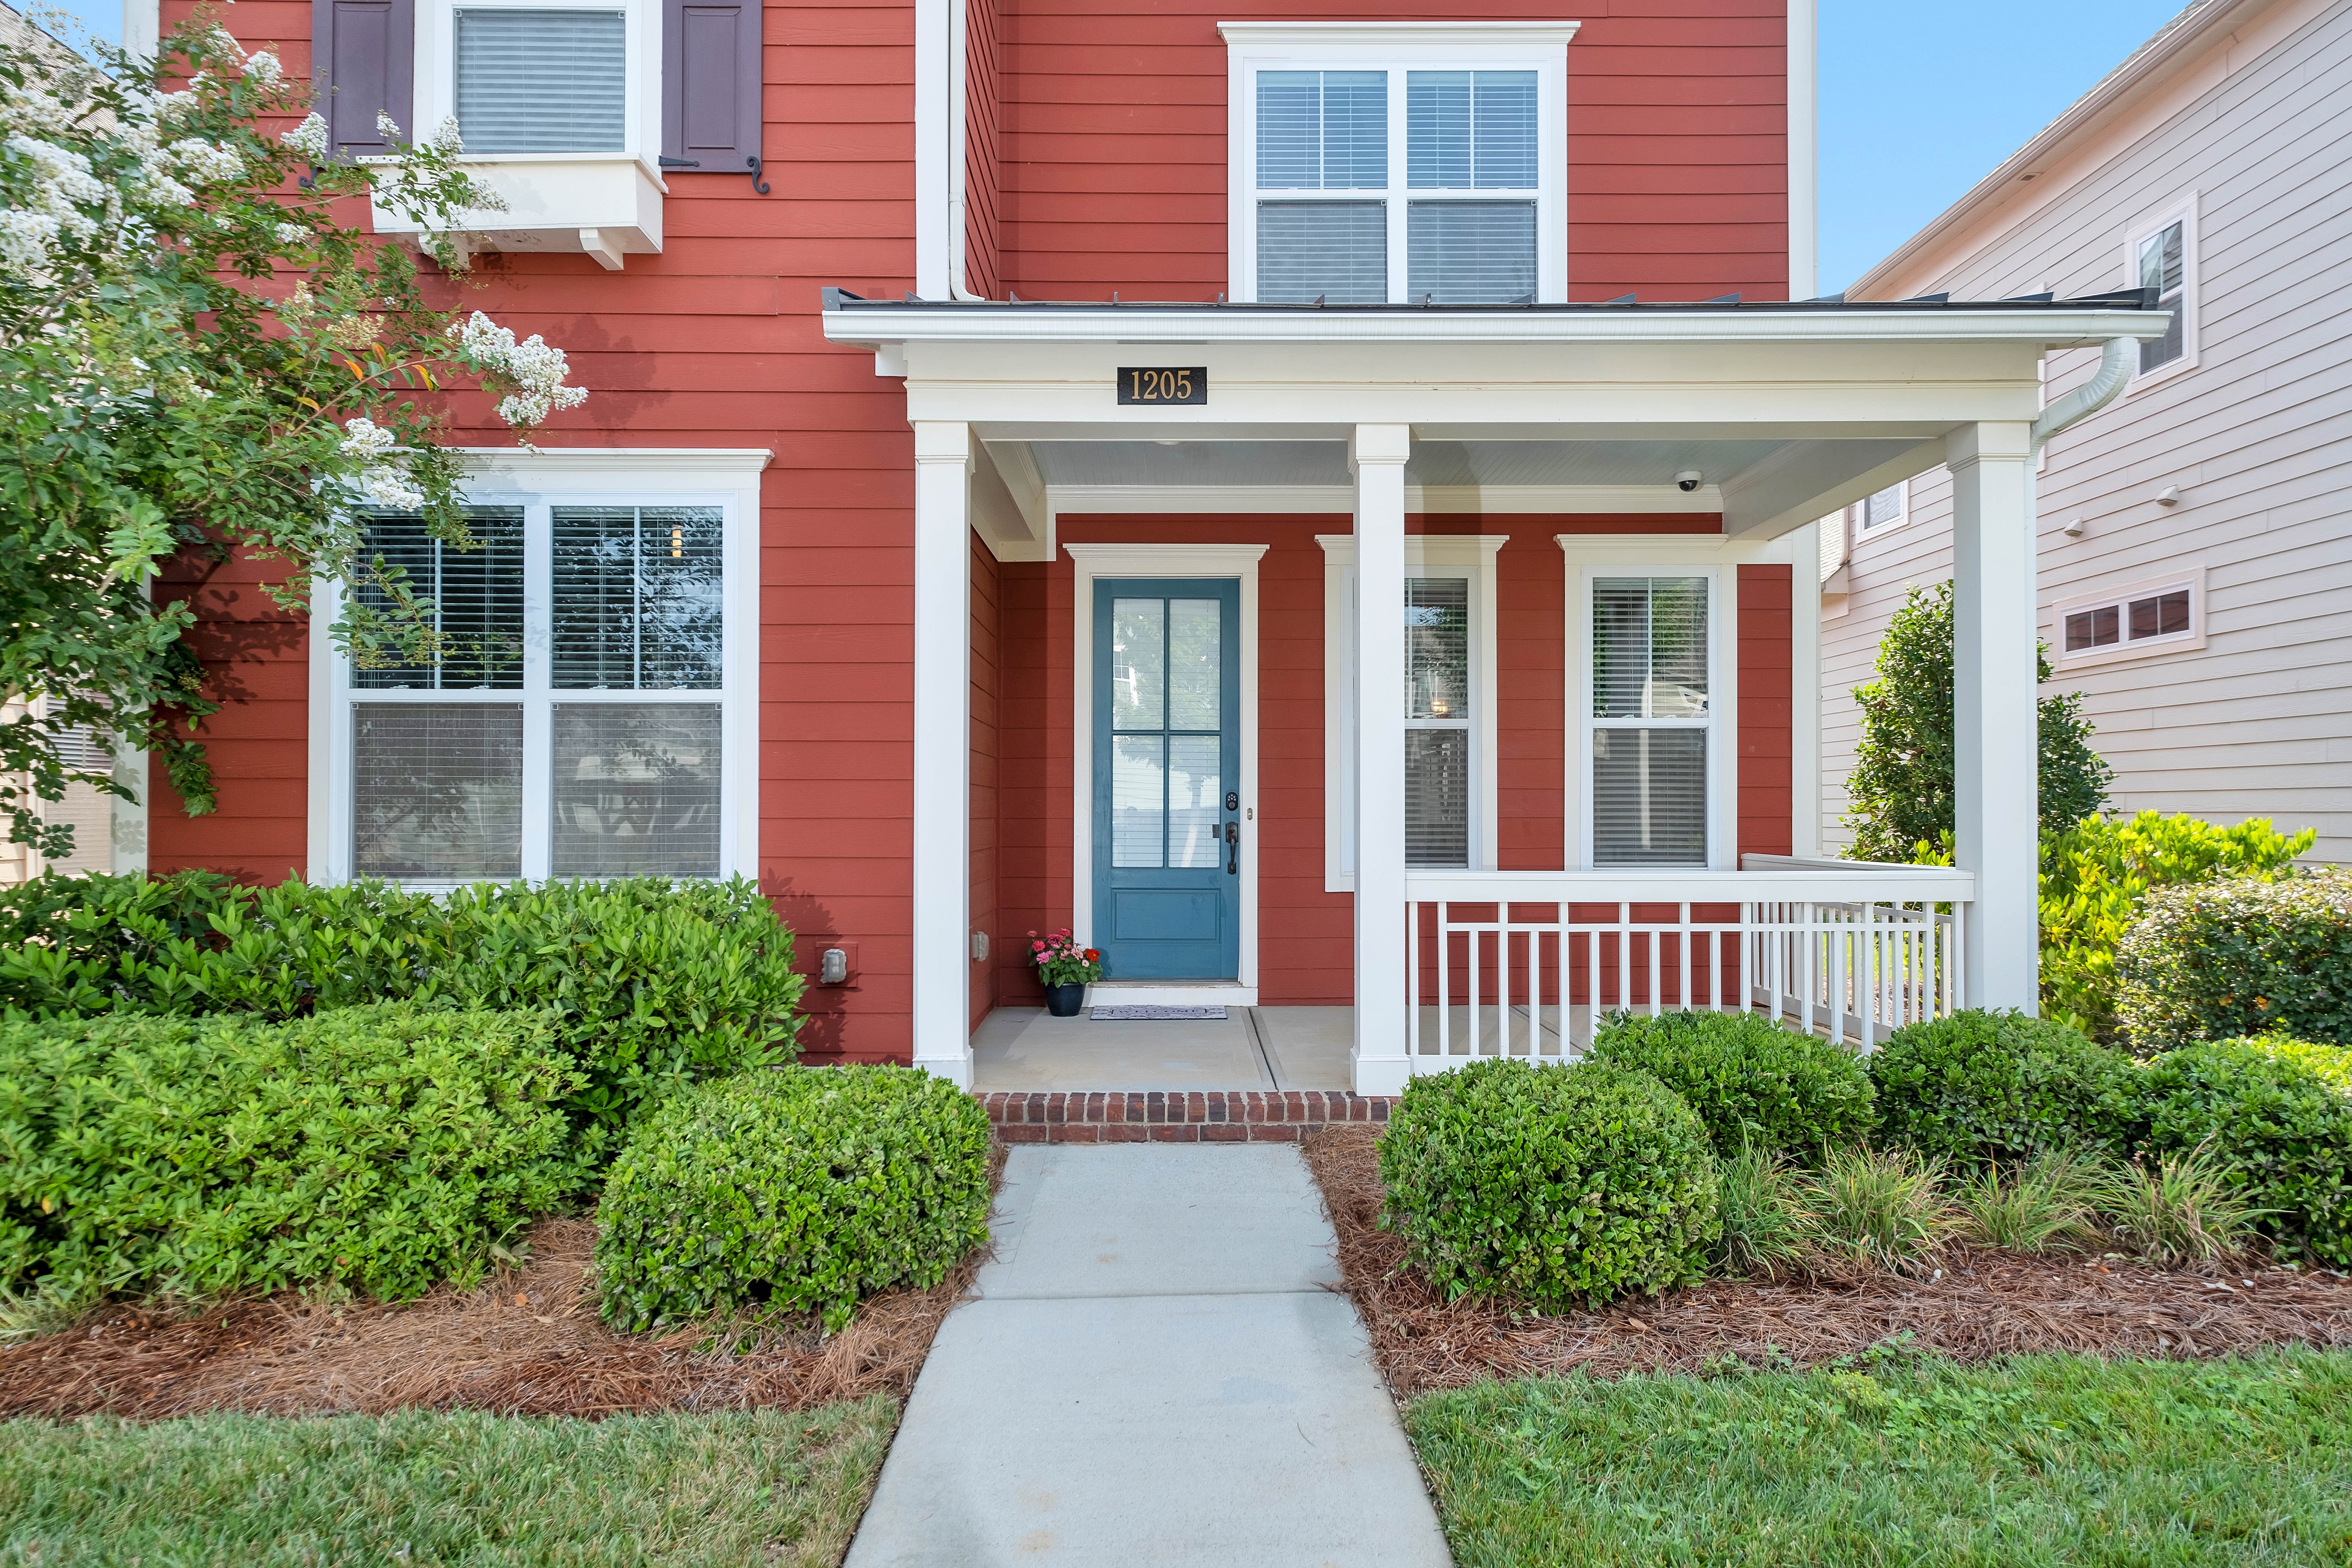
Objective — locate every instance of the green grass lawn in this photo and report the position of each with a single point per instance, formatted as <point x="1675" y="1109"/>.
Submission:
<point x="766" y="1487"/>
<point x="2044" y="1459"/>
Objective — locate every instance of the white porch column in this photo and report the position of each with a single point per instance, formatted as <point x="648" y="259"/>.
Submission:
<point x="942" y="849"/>
<point x="1996" y="746"/>
<point x="1378" y="453"/>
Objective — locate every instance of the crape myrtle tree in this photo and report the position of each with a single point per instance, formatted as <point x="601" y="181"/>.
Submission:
<point x="197" y="358"/>
<point x="1901" y="786"/>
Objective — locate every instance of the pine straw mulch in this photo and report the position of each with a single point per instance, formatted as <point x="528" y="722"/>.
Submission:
<point x="526" y="1342"/>
<point x="1988" y="1303"/>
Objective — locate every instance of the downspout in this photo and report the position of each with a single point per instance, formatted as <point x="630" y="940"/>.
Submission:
<point x="2115" y="373"/>
<point x="959" y="45"/>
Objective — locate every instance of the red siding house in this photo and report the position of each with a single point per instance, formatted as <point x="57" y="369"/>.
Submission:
<point x="1308" y="497"/>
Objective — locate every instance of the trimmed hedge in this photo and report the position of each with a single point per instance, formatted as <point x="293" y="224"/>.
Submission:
<point x="1558" y="1184"/>
<point x="651" y="983"/>
<point x="802" y="1189"/>
<point x="1982" y="1086"/>
<point x="2240" y="958"/>
<point x="384" y="1148"/>
<point x="2279" y="1113"/>
<point x="1750" y="1080"/>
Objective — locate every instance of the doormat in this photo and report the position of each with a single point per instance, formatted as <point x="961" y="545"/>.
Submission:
<point x="1156" y="1015"/>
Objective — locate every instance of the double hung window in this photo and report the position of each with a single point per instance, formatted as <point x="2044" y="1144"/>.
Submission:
<point x="2161" y="253"/>
<point x="577" y="715"/>
<point x="1376" y="175"/>
<point x="1649" y="725"/>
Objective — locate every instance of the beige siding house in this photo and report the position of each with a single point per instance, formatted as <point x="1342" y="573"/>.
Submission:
<point x="2196" y="535"/>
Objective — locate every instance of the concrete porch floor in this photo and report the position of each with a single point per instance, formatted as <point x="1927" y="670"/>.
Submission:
<point x="1021" y="1049"/>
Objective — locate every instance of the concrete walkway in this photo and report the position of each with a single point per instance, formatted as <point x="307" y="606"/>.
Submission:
<point x="1154" y="1373"/>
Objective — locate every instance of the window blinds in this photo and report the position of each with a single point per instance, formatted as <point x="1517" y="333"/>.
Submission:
<point x="1649" y="664"/>
<point x="638" y="598"/>
<point x="1470" y="253"/>
<point x="1649" y="796"/>
<point x="1468" y="131"/>
<point x="477" y="598"/>
<point x="636" y="789"/>
<point x="1649" y="648"/>
<point x="1338" y="250"/>
<point x="436" y="792"/>
<point x="541" y="81"/>
<point x="1322" y="131"/>
<point x="1437" y="722"/>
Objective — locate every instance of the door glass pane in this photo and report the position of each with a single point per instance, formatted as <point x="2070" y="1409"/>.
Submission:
<point x="476" y="598"/>
<point x="1335" y="250"/>
<point x="1195" y="669"/>
<point x="1649" y="797"/>
<point x="636" y="789"/>
<point x="437" y="790"/>
<point x="1195" y="789"/>
<point x="1139" y="664"/>
<point x="541" y="81"/>
<point x="1437" y="648"/>
<point x="638" y="598"/>
<point x="1649" y="648"/>
<point x="1437" y="797"/>
<point x="1139" y="785"/>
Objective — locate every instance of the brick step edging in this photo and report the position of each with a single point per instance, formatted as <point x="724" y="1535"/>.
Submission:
<point x="1177" y="1116"/>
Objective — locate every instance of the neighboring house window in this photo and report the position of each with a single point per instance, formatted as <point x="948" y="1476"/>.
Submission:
<point x="1450" y="732"/>
<point x="2162" y="616"/>
<point x="1886" y="507"/>
<point x="2162" y="255"/>
<point x="1650" y="723"/>
<point x="1384" y="172"/>
<point x="589" y="712"/>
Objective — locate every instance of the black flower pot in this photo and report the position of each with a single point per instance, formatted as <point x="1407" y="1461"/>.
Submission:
<point x="1063" y="1001"/>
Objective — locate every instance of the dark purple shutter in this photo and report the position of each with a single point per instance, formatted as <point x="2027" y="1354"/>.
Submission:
<point x="364" y="54"/>
<point x="710" y="83"/>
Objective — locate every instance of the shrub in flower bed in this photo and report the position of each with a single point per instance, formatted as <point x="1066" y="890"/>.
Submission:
<point x="384" y="1148"/>
<point x="2001" y="1086"/>
<point x="1751" y="1080"/>
<point x="2276" y="1115"/>
<point x="651" y="983"/>
<point x="790" y="1190"/>
<point x="2225" y="960"/>
<point x="1557" y="1184"/>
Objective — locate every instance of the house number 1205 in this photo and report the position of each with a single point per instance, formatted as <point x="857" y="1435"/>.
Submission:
<point x="1185" y="384"/>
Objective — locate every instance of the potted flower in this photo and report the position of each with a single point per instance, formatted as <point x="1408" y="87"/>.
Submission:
<point x="1066" y="968"/>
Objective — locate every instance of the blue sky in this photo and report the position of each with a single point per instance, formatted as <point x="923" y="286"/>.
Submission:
<point x="1918" y="100"/>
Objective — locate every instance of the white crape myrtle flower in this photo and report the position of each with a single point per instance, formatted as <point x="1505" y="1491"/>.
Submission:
<point x="388" y="487"/>
<point x="62" y="185"/>
<point x="263" y="66"/>
<point x="309" y="138"/>
<point x="203" y="162"/>
<point x="386" y="126"/>
<point x="292" y="234"/>
<point x="367" y="440"/>
<point x="536" y="366"/>
<point x="445" y="139"/>
<point x="26" y="240"/>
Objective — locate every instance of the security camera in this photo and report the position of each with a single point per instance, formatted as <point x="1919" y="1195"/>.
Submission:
<point x="1687" y="480"/>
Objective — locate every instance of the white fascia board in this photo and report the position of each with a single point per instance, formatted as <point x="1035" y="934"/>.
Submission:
<point x="540" y="465"/>
<point x="1316" y="34"/>
<point x="1337" y="499"/>
<point x="1143" y="326"/>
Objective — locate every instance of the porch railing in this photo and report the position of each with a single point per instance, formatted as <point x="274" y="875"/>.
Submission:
<point x="1527" y="964"/>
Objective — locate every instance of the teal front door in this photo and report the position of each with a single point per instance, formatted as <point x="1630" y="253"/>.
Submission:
<point x="1167" y="778"/>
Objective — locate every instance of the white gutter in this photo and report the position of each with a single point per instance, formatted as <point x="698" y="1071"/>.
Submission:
<point x="874" y="325"/>
<point x="2116" y="361"/>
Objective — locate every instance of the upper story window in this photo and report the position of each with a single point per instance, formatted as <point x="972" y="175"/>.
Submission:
<point x="536" y="80"/>
<point x="2161" y="253"/>
<point x="1886" y="507"/>
<point x="1399" y="163"/>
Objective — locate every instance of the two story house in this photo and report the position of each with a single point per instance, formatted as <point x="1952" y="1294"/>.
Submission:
<point x="1322" y="503"/>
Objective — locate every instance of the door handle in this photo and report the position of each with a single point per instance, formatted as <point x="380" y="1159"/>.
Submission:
<point x="1233" y="848"/>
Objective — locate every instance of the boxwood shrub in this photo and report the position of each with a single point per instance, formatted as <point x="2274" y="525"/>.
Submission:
<point x="2001" y="1086"/>
<point x="2279" y="1113"/>
<point x="2242" y="957"/>
<point x="651" y="983"/>
<point x="795" y="1190"/>
<point x="1751" y="1080"/>
<point x="1557" y="1184"/>
<point x="384" y="1148"/>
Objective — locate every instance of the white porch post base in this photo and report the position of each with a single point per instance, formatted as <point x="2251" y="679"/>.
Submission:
<point x="1377" y="1063"/>
<point x="1995" y="732"/>
<point x="942" y="826"/>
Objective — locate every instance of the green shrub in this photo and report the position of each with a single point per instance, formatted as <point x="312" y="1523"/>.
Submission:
<point x="2095" y="877"/>
<point x="2049" y="1203"/>
<point x="1751" y="1080"/>
<point x="2185" y="1213"/>
<point x="1983" y="1086"/>
<point x="2278" y="1113"/>
<point x="384" y="1148"/>
<point x="653" y="984"/>
<point x="802" y="1189"/>
<point x="1768" y="1226"/>
<point x="1552" y="1183"/>
<point x="2241" y="957"/>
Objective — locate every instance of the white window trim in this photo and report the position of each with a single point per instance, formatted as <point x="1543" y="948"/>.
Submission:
<point x="1425" y="555"/>
<point x="728" y="478"/>
<point x="2189" y="577"/>
<point x="1090" y="562"/>
<point x="2182" y="210"/>
<point x="1396" y="47"/>
<point x="436" y="76"/>
<point x="1659" y="560"/>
